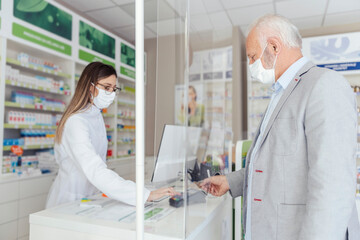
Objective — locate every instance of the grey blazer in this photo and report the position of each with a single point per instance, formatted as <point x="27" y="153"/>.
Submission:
<point x="304" y="179"/>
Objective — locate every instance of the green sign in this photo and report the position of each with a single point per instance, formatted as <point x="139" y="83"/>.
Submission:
<point x="40" y="39"/>
<point x="44" y="15"/>
<point x="127" y="55"/>
<point x="127" y="72"/>
<point x="96" y="40"/>
<point x="88" y="57"/>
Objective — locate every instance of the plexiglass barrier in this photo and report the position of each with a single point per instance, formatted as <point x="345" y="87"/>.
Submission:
<point x="189" y="121"/>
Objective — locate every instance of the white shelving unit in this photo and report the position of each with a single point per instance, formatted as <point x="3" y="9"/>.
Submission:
<point x="26" y="195"/>
<point x="122" y="111"/>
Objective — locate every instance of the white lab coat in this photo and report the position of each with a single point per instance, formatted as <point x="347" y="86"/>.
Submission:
<point x="81" y="156"/>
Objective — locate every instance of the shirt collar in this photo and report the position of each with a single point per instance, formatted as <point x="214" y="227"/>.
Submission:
<point x="288" y="75"/>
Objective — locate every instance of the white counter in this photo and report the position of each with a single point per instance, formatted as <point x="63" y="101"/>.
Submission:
<point x="210" y="220"/>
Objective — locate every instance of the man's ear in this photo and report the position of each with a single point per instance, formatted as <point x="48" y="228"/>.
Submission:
<point x="275" y="45"/>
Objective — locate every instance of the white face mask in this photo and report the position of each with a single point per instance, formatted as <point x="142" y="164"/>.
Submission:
<point x="260" y="74"/>
<point x="103" y="99"/>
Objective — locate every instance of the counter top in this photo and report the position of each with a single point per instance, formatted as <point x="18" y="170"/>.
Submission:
<point x="70" y="217"/>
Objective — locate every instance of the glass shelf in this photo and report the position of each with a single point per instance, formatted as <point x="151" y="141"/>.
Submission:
<point x="26" y="126"/>
<point x="30" y="86"/>
<point x="126" y="104"/>
<point x="126" y="130"/>
<point x="37" y="68"/>
<point x="125" y="143"/>
<point x="32" y="147"/>
<point x="108" y="115"/>
<point x="127" y="118"/>
<point x="30" y="106"/>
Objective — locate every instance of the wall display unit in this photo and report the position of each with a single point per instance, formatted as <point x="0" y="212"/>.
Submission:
<point x="42" y="55"/>
<point x="41" y="63"/>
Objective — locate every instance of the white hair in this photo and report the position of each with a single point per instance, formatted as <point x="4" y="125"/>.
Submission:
<point x="272" y="25"/>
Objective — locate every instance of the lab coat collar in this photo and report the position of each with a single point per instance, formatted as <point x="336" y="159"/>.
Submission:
<point x="91" y="109"/>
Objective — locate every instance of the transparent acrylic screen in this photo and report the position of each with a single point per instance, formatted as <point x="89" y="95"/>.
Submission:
<point x="188" y="117"/>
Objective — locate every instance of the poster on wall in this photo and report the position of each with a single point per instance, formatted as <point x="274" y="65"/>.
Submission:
<point x="96" y="40"/>
<point x="44" y="15"/>
<point x="195" y="67"/>
<point x="339" y="52"/>
<point x="195" y="103"/>
<point x="214" y="64"/>
<point x="127" y="55"/>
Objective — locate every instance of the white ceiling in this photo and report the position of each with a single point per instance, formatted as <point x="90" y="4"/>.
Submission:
<point x="217" y="15"/>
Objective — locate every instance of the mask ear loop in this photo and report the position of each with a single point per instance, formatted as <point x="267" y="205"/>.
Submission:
<point x="275" y="60"/>
<point x="92" y="96"/>
<point x="262" y="53"/>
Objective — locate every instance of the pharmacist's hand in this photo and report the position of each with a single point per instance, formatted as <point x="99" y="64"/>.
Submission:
<point x="217" y="185"/>
<point x="161" y="192"/>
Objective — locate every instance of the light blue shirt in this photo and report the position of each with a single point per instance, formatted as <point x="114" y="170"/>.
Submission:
<point x="277" y="90"/>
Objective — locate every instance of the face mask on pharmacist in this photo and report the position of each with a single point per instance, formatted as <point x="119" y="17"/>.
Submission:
<point x="105" y="97"/>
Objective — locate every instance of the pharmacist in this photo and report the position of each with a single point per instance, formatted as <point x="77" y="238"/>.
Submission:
<point x="81" y="145"/>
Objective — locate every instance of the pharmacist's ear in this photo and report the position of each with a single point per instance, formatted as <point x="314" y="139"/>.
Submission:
<point x="93" y="93"/>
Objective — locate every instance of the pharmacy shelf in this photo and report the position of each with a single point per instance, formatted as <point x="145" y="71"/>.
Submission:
<point x="127" y="118"/>
<point x="110" y="129"/>
<point x="26" y="126"/>
<point x="125" y="157"/>
<point x="110" y="143"/>
<point x="127" y="92"/>
<point x="108" y="115"/>
<point x="32" y="147"/>
<point x="110" y="158"/>
<point x="126" y="130"/>
<point x="125" y="143"/>
<point x="37" y="68"/>
<point x="33" y="87"/>
<point x="126" y="104"/>
<point x="30" y="106"/>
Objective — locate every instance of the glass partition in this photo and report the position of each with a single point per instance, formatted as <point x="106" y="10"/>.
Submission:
<point x="189" y="118"/>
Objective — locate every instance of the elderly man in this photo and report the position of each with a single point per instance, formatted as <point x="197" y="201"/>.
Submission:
<point x="300" y="176"/>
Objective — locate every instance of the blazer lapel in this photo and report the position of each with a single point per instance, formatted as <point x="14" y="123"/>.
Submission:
<point x="285" y="96"/>
<point x="248" y="156"/>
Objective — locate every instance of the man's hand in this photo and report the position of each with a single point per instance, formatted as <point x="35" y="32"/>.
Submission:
<point x="217" y="185"/>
